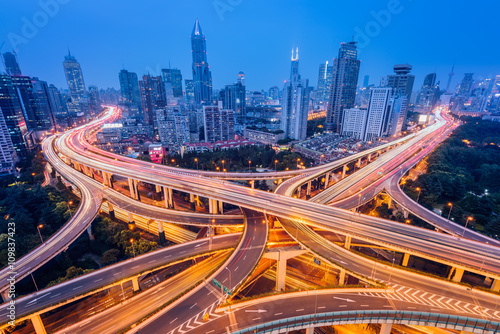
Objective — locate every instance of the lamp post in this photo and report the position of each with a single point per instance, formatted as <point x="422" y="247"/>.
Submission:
<point x="230" y="282"/>
<point x="466" y="223"/>
<point x="133" y="248"/>
<point x="249" y="162"/>
<point x="275" y="164"/>
<point x="487" y="253"/>
<point x="223" y="164"/>
<point x="451" y="207"/>
<point x="38" y="227"/>
<point x="69" y="209"/>
<point x="196" y="160"/>
<point x="33" y="278"/>
<point x="419" y="191"/>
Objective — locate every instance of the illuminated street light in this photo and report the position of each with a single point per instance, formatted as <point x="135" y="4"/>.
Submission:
<point x="38" y="227"/>
<point x="419" y="191"/>
<point x="133" y="248"/>
<point x="451" y="207"/>
<point x="467" y="223"/>
<point x="275" y="162"/>
<point x="196" y="160"/>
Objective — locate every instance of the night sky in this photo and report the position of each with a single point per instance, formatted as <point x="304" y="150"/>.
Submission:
<point x="253" y="36"/>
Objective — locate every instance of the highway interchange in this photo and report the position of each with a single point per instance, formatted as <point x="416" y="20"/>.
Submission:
<point x="294" y="214"/>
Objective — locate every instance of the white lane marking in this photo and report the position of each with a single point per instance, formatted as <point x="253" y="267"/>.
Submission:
<point x="97" y="280"/>
<point x="78" y="287"/>
<point x="118" y="273"/>
<point x="193" y="306"/>
<point x="278" y="313"/>
<point x="300" y="309"/>
<point x="54" y="296"/>
<point x="173" y="320"/>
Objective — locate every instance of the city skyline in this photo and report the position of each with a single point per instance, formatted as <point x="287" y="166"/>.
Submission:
<point x="146" y="49"/>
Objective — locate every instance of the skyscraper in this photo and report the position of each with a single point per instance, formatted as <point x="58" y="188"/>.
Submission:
<point x="152" y="98"/>
<point x="344" y="83"/>
<point x="189" y="84"/>
<point x="428" y="92"/>
<point x="219" y="123"/>
<point x="57" y="102"/>
<point x="324" y="81"/>
<point x="129" y="87"/>
<point x="466" y="85"/>
<point x="366" y="81"/>
<point x="295" y="103"/>
<point x="378" y="113"/>
<point x="173" y="76"/>
<point x="13" y="115"/>
<point x="11" y="64"/>
<point x="402" y="79"/>
<point x="74" y="77"/>
<point x="233" y="97"/>
<point x="202" y="77"/>
<point x="8" y="156"/>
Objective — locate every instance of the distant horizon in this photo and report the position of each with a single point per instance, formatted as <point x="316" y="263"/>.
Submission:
<point x="237" y="40"/>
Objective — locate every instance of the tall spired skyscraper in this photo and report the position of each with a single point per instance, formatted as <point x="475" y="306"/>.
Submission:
<point x="74" y="77"/>
<point x="344" y="83"/>
<point x="202" y="77"/>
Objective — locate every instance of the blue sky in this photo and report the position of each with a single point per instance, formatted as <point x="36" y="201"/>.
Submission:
<point x="253" y="36"/>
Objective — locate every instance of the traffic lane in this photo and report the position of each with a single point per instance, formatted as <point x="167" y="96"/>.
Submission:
<point x="386" y="272"/>
<point x="122" y="270"/>
<point x="133" y="310"/>
<point x="268" y="310"/>
<point x="240" y="266"/>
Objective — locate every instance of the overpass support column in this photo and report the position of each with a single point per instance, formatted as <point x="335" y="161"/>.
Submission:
<point x="406" y="259"/>
<point x="385" y="328"/>
<point x="308" y="193"/>
<point x="359" y="163"/>
<point x="252" y="183"/>
<point x="299" y="191"/>
<point x="310" y="330"/>
<point x="161" y="233"/>
<point x="221" y="207"/>
<point x="327" y="179"/>
<point x="212" y="205"/>
<point x="158" y="192"/>
<point x="456" y="274"/>
<point x="495" y="286"/>
<point x="369" y="158"/>
<point x="344" y="170"/>
<point x="171" y="198"/>
<point x="342" y="277"/>
<point x="131" y="222"/>
<point x="405" y="213"/>
<point x="136" y="189"/>
<point x="389" y="202"/>
<point x="135" y="283"/>
<point x="347" y="243"/>
<point x="89" y="231"/>
<point x="281" y="274"/>
<point x="167" y="197"/>
<point x="191" y="202"/>
<point x="38" y="324"/>
<point x="130" y="185"/>
<point x="5" y="295"/>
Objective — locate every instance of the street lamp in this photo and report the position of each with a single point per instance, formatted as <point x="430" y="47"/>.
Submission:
<point x="223" y="163"/>
<point x="38" y="227"/>
<point x="451" y="207"/>
<point x="69" y="209"/>
<point x="419" y="191"/>
<point x="466" y="223"/>
<point x="249" y="162"/>
<point x="275" y="163"/>
<point x="230" y="284"/>
<point x="196" y="160"/>
<point x="133" y="248"/>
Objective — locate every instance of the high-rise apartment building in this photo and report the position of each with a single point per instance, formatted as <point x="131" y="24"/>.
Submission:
<point x="129" y="87"/>
<point x="354" y="123"/>
<point x="295" y="103"/>
<point x="189" y="84"/>
<point x="234" y="97"/>
<point x="173" y="127"/>
<point x="429" y="92"/>
<point x="8" y="156"/>
<point x="57" y="102"/>
<point x="402" y="80"/>
<point x="466" y="85"/>
<point x="11" y="64"/>
<point x="344" y="83"/>
<point x="202" y="77"/>
<point x="218" y="122"/>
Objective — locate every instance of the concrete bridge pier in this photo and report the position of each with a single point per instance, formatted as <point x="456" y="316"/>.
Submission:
<point x="281" y="256"/>
<point x="495" y="286"/>
<point x="342" y="277"/>
<point x="212" y="206"/>
<point x="135" y="283"/>
<point x="344" y="170"/>
<point x="89" y="232"/>
<point x="308" y="192"/>
<point x="38" y="324"/>
<point x="161" y="233"/>
<point x="310" y="330"/>
<point x="406" y="259"/>
<point x="327" y="179"/>
<point x="347" y="243"/>
<point x="456" y="274"/>
<point x="111" y="211"/>
<point x="192" y="202"/>
<point x="405" y="213"/>
<point x="221" y="207"/>
<point x="5" y="295"/>
<point x="131" y="222"/>
<point x="385" y="328"/>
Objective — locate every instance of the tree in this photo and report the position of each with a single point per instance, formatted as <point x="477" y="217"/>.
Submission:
<point x="110" y="256"/>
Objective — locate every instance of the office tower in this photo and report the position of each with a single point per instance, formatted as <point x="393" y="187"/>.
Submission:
<point x="324" y="81"/>
<point x="344" y="83"/>
<point x="354" y="123"/>
<point x="94" y="100"/>
<point x="129" y="87"/>
<point x="366" y="81"/>
<point x="152" y="98"/>
<point x="378" y="113"/>
<point x="189" y="84"/>
<point x="202" y="77"/>
<point x="57" y="102"/>
<point x="402" y="79"/>
<point x="173" y="127"/>
<point x="8" y="156"/>
<point x="11" y="64"/>
<point x="397" y="113"/>
<point x="465" y="85"/>
<point x="218" y="122"/>
<point x="13" y="115"/>
<point x="241" y="78"/>
<point x="274" y="93"/>
<point x="427" y="97"/>
<point x="74" y="77"/>
<point x="234" y="98"/>
<point x="295" y="103"/>
<point x="450" y="77"/>
<point x="173" y="76"/>
<point x="34" y="102"/>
